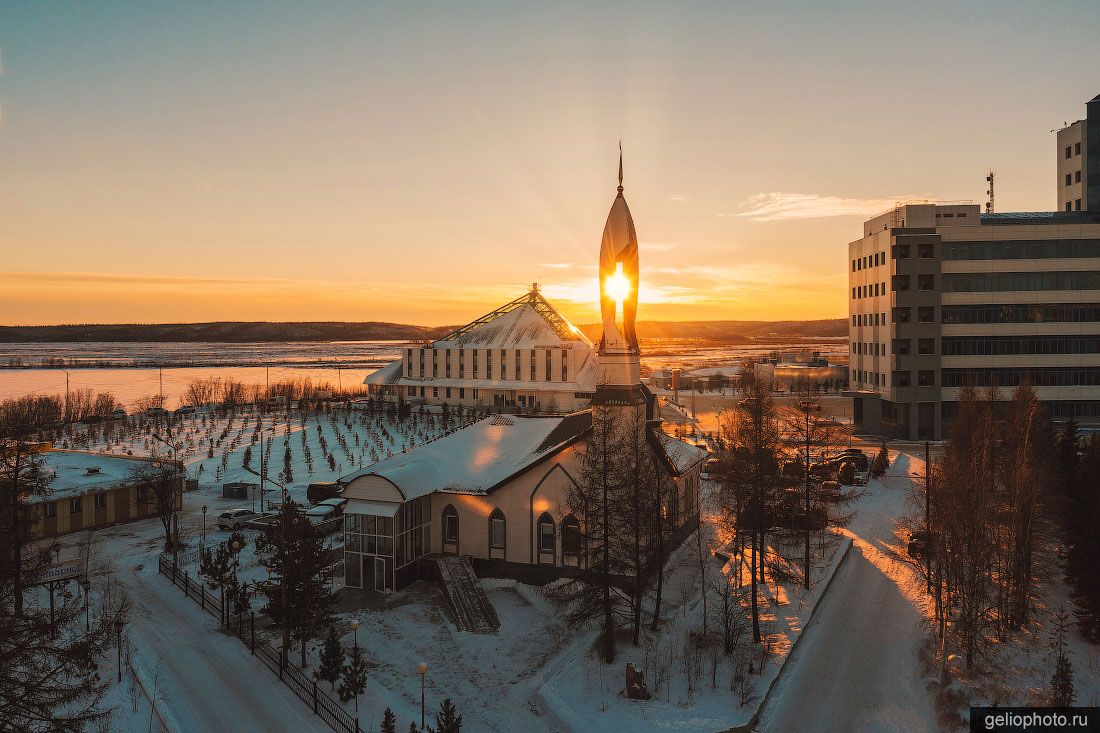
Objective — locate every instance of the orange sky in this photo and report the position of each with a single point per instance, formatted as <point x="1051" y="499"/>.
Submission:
<point x="187" y="163"/>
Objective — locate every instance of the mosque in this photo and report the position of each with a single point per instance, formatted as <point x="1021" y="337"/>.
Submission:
<point x="495" y="492"/>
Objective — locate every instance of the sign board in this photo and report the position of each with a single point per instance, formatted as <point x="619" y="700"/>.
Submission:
<point x="63" y="571"/>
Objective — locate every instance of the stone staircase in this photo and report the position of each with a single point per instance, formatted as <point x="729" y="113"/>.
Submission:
<point x="465" y="596"/>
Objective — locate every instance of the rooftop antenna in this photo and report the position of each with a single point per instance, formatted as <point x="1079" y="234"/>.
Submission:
<point x="989" y="205"/>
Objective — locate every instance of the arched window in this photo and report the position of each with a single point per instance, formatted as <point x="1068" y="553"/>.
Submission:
<point x="450" y="529"/>
<point x="570" y="540"/>
<point x="497" y="527"/>
<point x="547" y="538"/>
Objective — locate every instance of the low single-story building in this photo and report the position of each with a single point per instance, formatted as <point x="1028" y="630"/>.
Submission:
<point x="94" y="490"/>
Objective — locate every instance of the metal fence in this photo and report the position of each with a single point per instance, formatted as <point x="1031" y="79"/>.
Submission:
<point x="322" y="703"/>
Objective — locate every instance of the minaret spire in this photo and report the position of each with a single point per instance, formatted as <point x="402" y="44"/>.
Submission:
<point x="620" y="167"/>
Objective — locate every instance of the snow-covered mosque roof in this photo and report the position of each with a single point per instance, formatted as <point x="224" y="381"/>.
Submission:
<point x="477" y="458"/>
<point x="527" y="322"/>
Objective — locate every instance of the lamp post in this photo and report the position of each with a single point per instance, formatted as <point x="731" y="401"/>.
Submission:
<point x="118" y="633"/>
<point x="203" y="543"/>
<point x="355" y="643"/>
<point x="422" y="670"/>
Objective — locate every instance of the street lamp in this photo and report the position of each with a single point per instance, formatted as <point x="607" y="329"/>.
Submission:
<point x="118" y="633"/>
<point x="422" y="670"/>
<point x="203" y="526"/>
<point x="355" y="631"/>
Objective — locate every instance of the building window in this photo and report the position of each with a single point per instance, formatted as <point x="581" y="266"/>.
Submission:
<point x="1077" y="176"/>
<point x="497" y="534"/>
<point x="461" y="393"/>
<point x="1077" y="205"/>
<point x="474" y="357"/>
<point x="448" y="390"/>
<point x="926" y="282"/>
<point x="517" y="364"/>
<point x="533" y="360"/>
<point x="50" y="510"/>
<point x="570" y="537"/>
<point x="447" y="362"/>
<point x="488" y="364"/>
<point x="435" y="363"/>
<point x="450" y="526"/>
<point x="926" y="346"/>
<point x="1068" y="151"/>
<point x="461" y="364"/>
<point x="547" y="536"/>
<point x="1077" y="148"/>
<point x="564" y="365"/>
<point x="926" y="314"/>
<point x="549" y="366"/>
<point x="926" y="378"/>
<point x="1069" y="179"/>
<point x="422" y="362"/>
<point x="435" y="391"/>
<point x="76" y="506"/>
<point x="101" y="501"/>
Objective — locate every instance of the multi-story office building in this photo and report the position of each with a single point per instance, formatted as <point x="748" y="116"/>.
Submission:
<point x="1079" y="162"/>
<point x="943" y="295"/>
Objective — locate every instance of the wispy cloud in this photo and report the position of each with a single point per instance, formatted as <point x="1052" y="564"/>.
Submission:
<point x="779" y="206"/>
<point x="680" y="199"/>
<point x="557" y="265"/>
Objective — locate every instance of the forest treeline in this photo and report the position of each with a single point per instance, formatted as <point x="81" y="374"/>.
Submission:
<point x="249" y="332"/>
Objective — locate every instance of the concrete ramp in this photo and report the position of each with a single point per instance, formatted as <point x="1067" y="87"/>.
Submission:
<point x="465" y="596"/>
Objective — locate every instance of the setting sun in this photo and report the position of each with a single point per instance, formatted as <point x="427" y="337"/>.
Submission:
<point x="618" y="285"/>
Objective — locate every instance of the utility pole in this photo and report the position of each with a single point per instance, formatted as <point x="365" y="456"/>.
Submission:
<point x="68" y="414"/>
<point x="161" y="392"/>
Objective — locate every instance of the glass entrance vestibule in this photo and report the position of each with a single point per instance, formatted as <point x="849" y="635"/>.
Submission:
<point x="383" y="540"/>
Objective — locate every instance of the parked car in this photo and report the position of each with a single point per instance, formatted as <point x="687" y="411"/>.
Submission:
<point x="156" y="412"/>
<point x="336" y="503"/>
<point x="118" y="414"/>
<point x="185" y="410"/>
<point x="235" y="518"/>
<point x="321" y="513"/>
<point x="321" y="490"/>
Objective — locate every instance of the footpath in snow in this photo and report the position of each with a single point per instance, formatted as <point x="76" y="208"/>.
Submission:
<point x="856" y="668"/>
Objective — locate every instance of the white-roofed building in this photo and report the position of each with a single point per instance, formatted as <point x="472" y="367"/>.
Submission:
<point x="524" y="356"/>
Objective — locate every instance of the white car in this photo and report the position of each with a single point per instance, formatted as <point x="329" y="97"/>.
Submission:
<point x="235" y="518"/>
<point x="336" y="503"/>
<point x="321" y="513"/>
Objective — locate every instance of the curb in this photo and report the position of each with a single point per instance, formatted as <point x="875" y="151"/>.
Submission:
<point x="751" y="725"/>
<point x="138" y="674"/>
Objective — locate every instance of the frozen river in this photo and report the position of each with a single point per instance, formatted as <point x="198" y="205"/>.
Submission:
<point x="134" y="370"/>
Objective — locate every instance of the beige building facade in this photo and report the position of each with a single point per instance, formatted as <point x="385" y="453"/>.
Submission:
<point x="944" y="295"/>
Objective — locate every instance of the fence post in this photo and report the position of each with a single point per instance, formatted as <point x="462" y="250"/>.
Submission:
<point x="252" y="616"/>
<point x="282" y="660"/>
<point x="221" y="607"/>
<point x="314" y="695"/>
<point x="357" y="723"/>
<point x="186" y="585"/>
<point x="202" y="599"/>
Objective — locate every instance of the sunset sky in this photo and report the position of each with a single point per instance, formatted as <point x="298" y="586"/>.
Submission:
<point x="424" y="163"/>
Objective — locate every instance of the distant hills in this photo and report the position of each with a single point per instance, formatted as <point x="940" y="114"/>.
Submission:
<point x="245" y="332"/>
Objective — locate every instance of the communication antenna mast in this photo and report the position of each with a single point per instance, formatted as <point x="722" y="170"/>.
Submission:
<point x="989" y="204"/>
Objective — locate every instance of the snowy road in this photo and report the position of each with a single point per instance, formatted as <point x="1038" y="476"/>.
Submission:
<point x="205" y="680"/>
<point x="856" y="667"/>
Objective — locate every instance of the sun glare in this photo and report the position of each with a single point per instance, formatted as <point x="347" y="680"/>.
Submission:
<point x="617" y="285"/>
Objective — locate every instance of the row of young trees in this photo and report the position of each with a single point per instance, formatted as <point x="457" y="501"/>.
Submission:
<point x="1078" y="466"/>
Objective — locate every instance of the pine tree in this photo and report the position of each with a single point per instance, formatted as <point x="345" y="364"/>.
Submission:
<point x="881" y="462"/>
<point x="446" y="720"/>
<point x="332" y="658"/>
<point x="1061" y="682"/>
<point x="389" y="722"/>
<point x="353" y="676"/>
<point x="412" y="727"/>
<point x="295" y="552"/>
